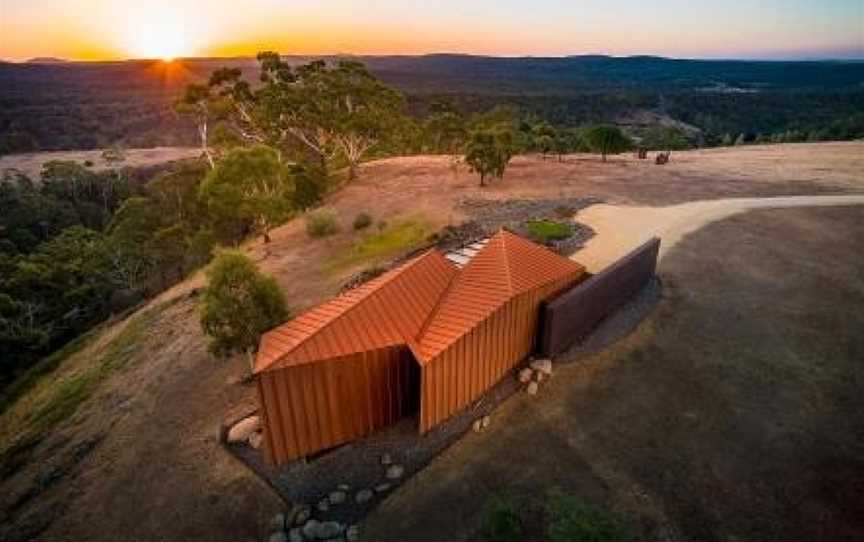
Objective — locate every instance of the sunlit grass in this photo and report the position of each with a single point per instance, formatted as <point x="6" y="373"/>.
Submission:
<point x="47" y="399"/>
<point x="390" y="241"/>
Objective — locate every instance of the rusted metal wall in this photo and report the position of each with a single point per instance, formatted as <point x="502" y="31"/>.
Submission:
<point x="311" y="407"/>
<point x="572" y="315"/>
<point x="465" y="370"/>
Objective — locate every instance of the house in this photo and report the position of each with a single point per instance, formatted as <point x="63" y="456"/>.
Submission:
<point x="425" y="338"/>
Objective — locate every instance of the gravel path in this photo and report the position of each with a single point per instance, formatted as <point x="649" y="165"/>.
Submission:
<point x="619" y="229"/>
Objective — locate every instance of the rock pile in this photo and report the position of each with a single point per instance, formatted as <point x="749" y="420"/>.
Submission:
<point x="536" y="372"/>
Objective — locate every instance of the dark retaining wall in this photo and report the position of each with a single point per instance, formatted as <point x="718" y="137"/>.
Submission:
<point x="572" y="315"/>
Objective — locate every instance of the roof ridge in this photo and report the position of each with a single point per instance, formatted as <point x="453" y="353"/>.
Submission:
<point x="435" y="309"/>
<point x="401" y="269"/>
<point x="506" y="256"/>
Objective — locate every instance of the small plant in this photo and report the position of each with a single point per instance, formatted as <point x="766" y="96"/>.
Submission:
<point x="544" y="231"/>
<point x="382" y="225"/>
<point x="88" y="163"/>
<point x="321" y="225"/>
<point x="501" y="522"/>
<point x="362" y="221"/>
<point x="571" y="520"/>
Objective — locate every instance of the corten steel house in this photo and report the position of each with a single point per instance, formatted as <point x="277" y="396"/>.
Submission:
<point x="424" y="336"/>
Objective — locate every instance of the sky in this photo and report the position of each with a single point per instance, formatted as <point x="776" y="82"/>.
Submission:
<point x="118" y="29"/>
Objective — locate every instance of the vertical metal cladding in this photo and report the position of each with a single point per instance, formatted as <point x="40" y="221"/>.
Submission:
<point x="466" y="369"/>
<point x="423" y="335"/>
<point x="312" y="407"/>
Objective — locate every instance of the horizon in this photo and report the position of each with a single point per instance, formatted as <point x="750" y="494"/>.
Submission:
<point x="772" y="30"/>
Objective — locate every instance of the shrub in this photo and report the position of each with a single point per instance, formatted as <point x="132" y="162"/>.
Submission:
<point x="571" y="520"/>
<point x="362" y="221"/>
<point x="238" y="304"/>
<point x="321" y="225"/>
<point x="382" y="225"/>
<point x="501" y="522"/>
<point x="88" y="163"/>
<point x="544" y="231"/>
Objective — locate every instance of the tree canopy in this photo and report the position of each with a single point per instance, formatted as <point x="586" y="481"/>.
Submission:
<point x="607" y="139"/>
<point x="239" y="304"/>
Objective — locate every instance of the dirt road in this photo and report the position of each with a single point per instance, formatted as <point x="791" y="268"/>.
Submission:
<point x="619" y="229"/>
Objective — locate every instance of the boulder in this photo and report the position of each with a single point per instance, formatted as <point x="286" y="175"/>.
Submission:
<point x="328" y="529"/>
<point x="352" y="534"/>
<point x="363" y="496"/>
<point x="295" y="535"/>
<point x="277" y="522"/>
<point x="323" y="505"/>
<point x="542" y="366"/>
<point x="485" y="421"/>
<point x="538" y="377"/>
<point x="525" y="375"/>
<point x="477" y="425"/>
<point x="310" y="530"/>
<point x="256" y="439"/>
<point x="241" y="430"/>
<point x="343" y="487"/>
<point x="532" y="388"/>
<point x="386" y="459"/>
<point x="278" y="536"/>
<point x="337" y="497"/>
<point x="394" y="472"/>
<point x="381" y="488"/>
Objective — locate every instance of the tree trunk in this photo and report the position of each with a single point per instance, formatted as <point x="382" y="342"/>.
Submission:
<point x="352" y="171"/>
<point x="266" y="236"/>
<point x="482" y="179"/>
<point x="604" y="156"/>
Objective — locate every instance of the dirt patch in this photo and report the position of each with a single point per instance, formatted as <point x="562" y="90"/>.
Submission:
<point x="733" y="412"/>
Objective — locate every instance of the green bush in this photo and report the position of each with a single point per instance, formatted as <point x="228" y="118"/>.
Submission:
<point x="501" y="522"/>
<point x="571" y="520"/>
<point x="362" y="221"/>
<point x="321" y="225"/>
<point x="544" y="231"/>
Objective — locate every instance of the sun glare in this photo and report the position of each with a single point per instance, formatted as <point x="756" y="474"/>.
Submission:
<point x="165" y="37"/>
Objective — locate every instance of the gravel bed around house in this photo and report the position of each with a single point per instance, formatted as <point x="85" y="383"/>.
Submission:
<point x="363" y="465"/>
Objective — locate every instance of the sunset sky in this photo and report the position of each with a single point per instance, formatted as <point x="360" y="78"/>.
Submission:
<point x="103" y="29"/>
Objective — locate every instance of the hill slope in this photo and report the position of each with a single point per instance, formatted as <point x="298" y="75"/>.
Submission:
<point x="138" y="458"/>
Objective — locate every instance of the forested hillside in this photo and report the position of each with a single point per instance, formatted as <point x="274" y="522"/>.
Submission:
<point x="90" y="105"/>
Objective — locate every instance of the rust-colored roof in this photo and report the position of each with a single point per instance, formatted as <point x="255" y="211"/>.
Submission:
<point x="426" y="303"/>
<point x="506" y="267"/>
<point x="385" y="311"/>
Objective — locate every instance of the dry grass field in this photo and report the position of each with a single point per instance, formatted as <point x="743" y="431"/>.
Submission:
<point x="139" y="460"/>
<point x="31" y="163"/>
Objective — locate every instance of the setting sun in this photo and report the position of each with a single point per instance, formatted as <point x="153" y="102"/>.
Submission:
<point x="165" y="38"/>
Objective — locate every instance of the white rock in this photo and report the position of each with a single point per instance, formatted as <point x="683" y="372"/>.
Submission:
<point x="278" y="536"/>
<point x="542" y="366"/>
<point x="343" y="487"/>
<point x="478" y="425"/>
<point x="525" y="375"/>
<point x="329" y="529"/>
<point x="337" y="497"/>
<point x="386" y="459"/>
<point x="532" y="388"/>
<point x="381" y="488"/>
<point x="310" y="530"/>
<point x="323" y="505"/>
<point x="538" y="377"/>
<point x="256" y="439"/>
<point x="295" y="535"/>
<point x="241" y="430"/>
<point x="485" y="421"/>
<point x="363" y="496"/>
<point x="394" y="472"/>
<point x="353" y="533"/>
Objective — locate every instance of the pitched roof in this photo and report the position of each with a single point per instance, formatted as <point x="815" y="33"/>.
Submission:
<point x="426" y="303"/>
<point x="388" y="310"/>
<point x="507" y="266"/>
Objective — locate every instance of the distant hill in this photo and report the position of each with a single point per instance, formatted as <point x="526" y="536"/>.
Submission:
<point x="49" y="104"/>
<point x="46" y="60"/>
